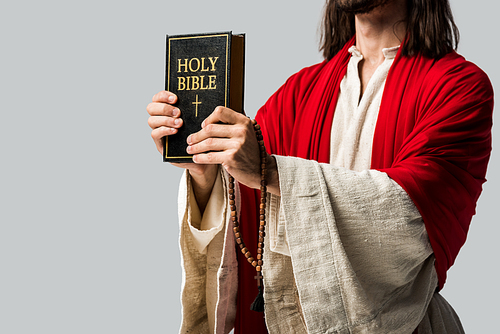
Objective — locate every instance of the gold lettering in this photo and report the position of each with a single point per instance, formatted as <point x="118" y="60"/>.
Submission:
<point x="191" y="65"/>
<point x="201" y="84"/>
<point x="213" y="61"/>
<point x="211" y="81"/>
<point x="181" y="83"/>
<point x="195" y="83"/>
<point x="182" y="65"/>
<point x="203" y="69"/>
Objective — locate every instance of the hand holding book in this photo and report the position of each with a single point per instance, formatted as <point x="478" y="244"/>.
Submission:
<point x="228" y="138"/>
<point x="164" y="121"/>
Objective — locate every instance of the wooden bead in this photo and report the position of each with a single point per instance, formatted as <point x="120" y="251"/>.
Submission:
<point x="238" y="241"/>
<point x="260" y="245"/>
<point x="236" y="229"/>
<point x="232" y="202"/>
<point x="256" y="126"/>
<point x="260" y="251"/>
<point x="250" y="259"/>
<point x="244" y="250"/>
<point x="231" y="185"/>
<point x="237" y="235"/>
<point x="259" y="262"/>
<point x="247" y="255"/>
<point x="258" y="268"/>
<point x="231" y="191"/>
<point x="262" y="206"/>
<point x="254" y="263"/>
<point x="262" y="233"/>
<point x="242" y="245"/>
<point x="262" y="211"/>
<point x="262" y="223"/>
<point x="259" y="256"/>
<point x="261" y="239"/>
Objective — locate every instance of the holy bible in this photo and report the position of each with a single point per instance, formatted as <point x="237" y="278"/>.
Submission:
<point x="204" y="71"/>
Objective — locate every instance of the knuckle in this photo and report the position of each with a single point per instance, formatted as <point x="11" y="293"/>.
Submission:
<point x="165" y="108"/>
<point x="209" y="128"/>
<point x="247" y="122"/>
<point x="231" y="155"/>
<point x="241" y="131"/>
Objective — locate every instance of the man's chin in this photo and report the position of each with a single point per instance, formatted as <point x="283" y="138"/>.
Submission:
<point x="359" y="6"/>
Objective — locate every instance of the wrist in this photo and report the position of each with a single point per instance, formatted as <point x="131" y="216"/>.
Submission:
<point x="273" y="184"/>
<point x="202" y="184"/>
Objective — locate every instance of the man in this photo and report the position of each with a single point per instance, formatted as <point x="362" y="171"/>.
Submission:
<point x="359" y="242"/>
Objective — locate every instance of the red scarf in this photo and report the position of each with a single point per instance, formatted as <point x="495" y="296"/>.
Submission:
<point x="433" y="137"/>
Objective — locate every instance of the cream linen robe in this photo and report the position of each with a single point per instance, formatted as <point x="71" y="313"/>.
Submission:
<point x="346" y="251"/>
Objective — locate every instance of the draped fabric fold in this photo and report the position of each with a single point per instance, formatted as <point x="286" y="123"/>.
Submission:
<point x="433" y="134"/>
<point x="433" y="137"/>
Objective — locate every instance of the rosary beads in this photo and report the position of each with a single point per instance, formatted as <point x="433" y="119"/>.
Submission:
<point x="258" y="304"/>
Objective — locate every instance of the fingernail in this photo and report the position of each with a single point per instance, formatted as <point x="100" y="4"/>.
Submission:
<point x="171" y="98"/>
<point x="189" y="140"/>
<point x="188" y="149"/>
<point x="194" y="158"/>
<point x="203" y="124"/>
<point x="177" y="121"/>
<point x="176" y="112"/>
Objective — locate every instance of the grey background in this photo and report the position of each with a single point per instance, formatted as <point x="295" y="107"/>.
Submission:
<point x="88" y="234"/>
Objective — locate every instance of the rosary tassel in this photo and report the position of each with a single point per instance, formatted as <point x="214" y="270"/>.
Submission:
<point x="258" y="303"/>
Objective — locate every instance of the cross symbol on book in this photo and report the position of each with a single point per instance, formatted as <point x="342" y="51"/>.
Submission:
<point x="258" y="277"/>
<point x="196" y="104"/>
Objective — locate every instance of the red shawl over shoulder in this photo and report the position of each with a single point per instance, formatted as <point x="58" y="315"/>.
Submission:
<point x="433" y="137"/>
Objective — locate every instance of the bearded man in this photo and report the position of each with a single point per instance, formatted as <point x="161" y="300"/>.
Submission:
<point x="378" y="158"/>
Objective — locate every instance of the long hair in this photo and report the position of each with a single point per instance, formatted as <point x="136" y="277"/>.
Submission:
<point x="431" y="30"/>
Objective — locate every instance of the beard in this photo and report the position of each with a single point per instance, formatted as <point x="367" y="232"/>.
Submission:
<point x="359" y="6"/>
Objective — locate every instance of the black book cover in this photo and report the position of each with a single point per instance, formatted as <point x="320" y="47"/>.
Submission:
<point x="204" y="71"/>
